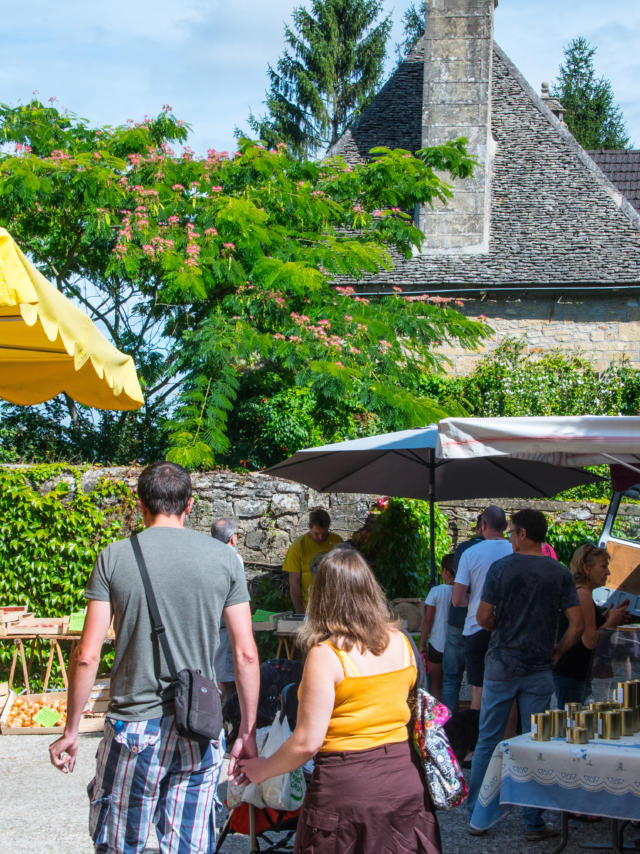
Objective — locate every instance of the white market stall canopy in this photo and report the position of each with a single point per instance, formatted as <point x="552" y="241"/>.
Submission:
<point x="563" y="441"/>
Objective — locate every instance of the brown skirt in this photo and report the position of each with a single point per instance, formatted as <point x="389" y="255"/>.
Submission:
<point x="368" y="802"/>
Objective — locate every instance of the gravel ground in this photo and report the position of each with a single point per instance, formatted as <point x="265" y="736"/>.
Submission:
<point x="42" y="812"/>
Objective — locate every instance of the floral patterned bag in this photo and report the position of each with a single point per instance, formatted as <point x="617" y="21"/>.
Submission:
<point x="442" y="774"/>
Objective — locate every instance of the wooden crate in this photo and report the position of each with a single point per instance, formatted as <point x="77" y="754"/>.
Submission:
<point x="289" y="624"/>
<point x="100" y="695"/>
<point x="90" y="722"/>
<point x="38" y="626"/>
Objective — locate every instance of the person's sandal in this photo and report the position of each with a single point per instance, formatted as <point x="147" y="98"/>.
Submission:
<point x="545" y="832"/>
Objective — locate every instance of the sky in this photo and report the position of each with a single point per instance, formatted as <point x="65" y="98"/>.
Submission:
<point x="113" y="60"/>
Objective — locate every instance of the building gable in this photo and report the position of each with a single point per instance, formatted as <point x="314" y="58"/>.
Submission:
<point x="555" y="219"/>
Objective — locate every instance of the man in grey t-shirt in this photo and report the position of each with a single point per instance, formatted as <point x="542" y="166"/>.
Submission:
<point x="145" y="771"/>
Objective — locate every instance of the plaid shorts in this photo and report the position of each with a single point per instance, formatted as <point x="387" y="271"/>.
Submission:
<point x="146" y="772"/>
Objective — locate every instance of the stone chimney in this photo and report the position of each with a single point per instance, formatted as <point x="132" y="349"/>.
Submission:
<point x="457" y="102"/>
<point x="552" y="103"/>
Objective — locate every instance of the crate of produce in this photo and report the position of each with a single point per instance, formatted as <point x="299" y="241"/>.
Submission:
<point x="264" y="621"/>
<point x="12" y="613"/>
<point x="100" y="695"/>
<point x="34" y="714"/>
<point x="38" y="626"/>
<point x="289" y="624"/>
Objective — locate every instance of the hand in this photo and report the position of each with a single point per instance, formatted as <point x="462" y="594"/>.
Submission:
<point x="63" y="752"/>
<point x="254" y="770"/>
<point x="244" y="747"/>
<point x="617" y="616"/>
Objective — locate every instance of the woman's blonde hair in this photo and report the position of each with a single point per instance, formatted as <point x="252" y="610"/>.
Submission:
<point x="583" y="558"/>
<point x="346" y="604"/>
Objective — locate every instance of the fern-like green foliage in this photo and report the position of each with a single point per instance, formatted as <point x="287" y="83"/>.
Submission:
<point x="207" y="269"/>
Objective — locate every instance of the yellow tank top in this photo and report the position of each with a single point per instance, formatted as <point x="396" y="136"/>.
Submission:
<point x="369" y="710"/>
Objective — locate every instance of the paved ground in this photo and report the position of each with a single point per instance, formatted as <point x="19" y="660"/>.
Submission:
<point x="43" y="812"/>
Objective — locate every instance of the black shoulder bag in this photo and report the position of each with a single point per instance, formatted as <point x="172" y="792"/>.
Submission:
<point x="197" y="700"/>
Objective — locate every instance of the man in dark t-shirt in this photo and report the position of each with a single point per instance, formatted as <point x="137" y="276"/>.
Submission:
<point x="522" y="596"/>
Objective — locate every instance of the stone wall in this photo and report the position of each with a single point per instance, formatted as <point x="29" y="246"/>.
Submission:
<point x="273" y="512"/>
<point x="603" y="328"/>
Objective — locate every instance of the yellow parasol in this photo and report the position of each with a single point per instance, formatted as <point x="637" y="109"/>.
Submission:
<point x="49" y="346"/>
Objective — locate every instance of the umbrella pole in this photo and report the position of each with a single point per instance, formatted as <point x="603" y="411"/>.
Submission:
<point x="432" y="521"/>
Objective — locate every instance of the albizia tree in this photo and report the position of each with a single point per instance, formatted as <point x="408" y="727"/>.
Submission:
<point x="207" y="269"/>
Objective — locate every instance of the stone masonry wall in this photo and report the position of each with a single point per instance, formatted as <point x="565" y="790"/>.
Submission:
<point x="273" y="512"/>
<point x="601" y="328"/>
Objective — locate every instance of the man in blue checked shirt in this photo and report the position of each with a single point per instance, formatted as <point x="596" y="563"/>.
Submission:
<point x="145" y="771"/>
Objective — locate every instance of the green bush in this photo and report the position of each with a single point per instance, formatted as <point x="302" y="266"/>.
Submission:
<point x="565" y="537"/>
<point x="397" y="543"/>
<point x="49" y="542"/>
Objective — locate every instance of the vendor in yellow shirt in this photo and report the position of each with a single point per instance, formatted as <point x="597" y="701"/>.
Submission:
<point x="317" y="540"/>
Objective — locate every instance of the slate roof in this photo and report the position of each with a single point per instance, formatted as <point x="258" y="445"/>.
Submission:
<point x="556" y="220"/>
<point x="622" y="168"/>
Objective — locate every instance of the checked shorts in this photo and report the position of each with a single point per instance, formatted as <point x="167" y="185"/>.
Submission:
<point x="146" y="772"/>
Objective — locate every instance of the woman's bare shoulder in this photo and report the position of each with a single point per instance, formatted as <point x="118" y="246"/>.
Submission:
<point x="322" y="658"/>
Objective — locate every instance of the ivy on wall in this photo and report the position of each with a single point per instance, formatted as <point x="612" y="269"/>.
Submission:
<point x="49" y="541"/>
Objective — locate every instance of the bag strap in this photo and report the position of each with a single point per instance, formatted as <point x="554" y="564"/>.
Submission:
<point x="154" y="613"/>
<point x="421" y="679"/>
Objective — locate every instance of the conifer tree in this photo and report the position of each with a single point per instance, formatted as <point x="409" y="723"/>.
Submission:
<point x="591" y="113"/>
<point x="331" y="68"/>
<point x="413" y="22"/>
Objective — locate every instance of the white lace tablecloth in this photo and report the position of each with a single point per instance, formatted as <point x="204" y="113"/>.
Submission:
<point x="599" y="778"/>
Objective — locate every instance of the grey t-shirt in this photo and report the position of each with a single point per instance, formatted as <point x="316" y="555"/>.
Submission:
<point x="193" y="577"/>
<point x="528" y="594"/>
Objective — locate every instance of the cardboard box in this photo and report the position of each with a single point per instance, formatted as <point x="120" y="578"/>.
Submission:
<point x="91" y="722"/>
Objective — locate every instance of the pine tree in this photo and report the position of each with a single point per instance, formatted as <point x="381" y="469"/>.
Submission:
<point x="414" y="22"/>
<point x="331" y="69"/>
<point x="591" y="114"/>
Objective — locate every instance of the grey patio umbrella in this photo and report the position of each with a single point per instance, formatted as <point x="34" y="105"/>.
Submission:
<point x="404" y="464"/>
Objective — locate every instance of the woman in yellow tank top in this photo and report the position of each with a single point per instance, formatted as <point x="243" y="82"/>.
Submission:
<point x="366" y="795"/>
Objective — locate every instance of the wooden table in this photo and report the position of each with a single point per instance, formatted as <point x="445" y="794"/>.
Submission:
<point x="25" y="646"/>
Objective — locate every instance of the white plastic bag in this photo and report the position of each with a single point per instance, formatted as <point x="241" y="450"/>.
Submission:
<point x="251" y="794"/>
<point x="286" y="791"/>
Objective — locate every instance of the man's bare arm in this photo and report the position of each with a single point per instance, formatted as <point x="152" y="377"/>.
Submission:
<point x="485" y="616"/>
<point x="460" y="595"/>
<point x="237" y="619"/>
<point x="82" y="675"/>
<point x="295" y="591"/>
<point x="574" y="631"/>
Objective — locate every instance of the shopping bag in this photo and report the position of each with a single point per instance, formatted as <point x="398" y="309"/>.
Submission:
<point x="252" y="793"/>
<point x="286" y="791"/>
<point x="442" y="774"/>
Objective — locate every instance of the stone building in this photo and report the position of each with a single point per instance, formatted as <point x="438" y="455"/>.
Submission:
<point x="541" y="242"/>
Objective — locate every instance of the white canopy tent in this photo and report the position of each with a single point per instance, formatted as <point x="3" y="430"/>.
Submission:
<point x="563" y="441"/>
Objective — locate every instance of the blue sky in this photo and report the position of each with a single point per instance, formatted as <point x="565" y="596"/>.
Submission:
<point x="111" y="60"/>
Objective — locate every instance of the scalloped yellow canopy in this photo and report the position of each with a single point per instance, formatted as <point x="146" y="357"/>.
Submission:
<point x="49" y="346"/>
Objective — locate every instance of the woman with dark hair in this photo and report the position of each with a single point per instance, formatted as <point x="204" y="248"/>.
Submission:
<point x="366" y="793"/>
<point x="590" y="569"/>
